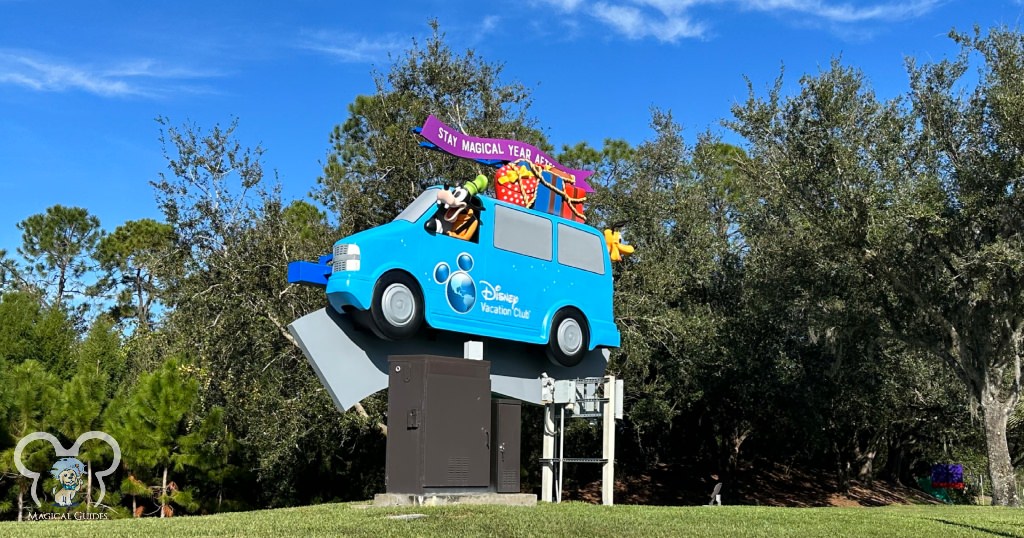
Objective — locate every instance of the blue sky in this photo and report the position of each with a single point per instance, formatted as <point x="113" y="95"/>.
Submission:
<point x="81" y="82"/>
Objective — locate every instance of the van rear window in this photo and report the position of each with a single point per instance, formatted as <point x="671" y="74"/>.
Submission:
<point x="523" y="233"/>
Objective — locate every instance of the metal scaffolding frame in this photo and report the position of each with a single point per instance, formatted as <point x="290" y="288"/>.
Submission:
<point x="591" y="398"/>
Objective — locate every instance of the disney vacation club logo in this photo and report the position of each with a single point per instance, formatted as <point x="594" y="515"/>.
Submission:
<point x="461" y="290"/>
<point x="68" y="471"/>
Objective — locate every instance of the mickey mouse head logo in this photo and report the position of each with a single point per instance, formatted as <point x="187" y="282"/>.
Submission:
<point x="69" y="452"/>
<point x="460" y="288"/>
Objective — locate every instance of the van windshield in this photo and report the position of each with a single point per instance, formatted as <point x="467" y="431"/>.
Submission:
<point x="419" y="206"/>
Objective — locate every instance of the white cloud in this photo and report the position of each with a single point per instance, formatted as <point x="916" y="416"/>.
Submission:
<point x="627" y="20"/>
<point x="845" y="12"/>
<point x="565" y="5"/>
<point x="349" y="48"/>
<point x="136" y="78"/>
<point x="150" y="68"/>
<point x="675" y="7"/>
<point x="489" y="23"/>
<point x="672" y="20"/>
<point x="635" y="24"/>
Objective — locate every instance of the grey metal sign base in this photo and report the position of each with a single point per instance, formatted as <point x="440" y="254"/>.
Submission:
<point x="353" y="364"/>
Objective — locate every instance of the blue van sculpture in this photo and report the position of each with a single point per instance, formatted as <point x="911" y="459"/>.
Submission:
<point x="519" y="275"/>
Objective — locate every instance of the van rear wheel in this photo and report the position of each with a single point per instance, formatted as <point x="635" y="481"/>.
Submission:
<point x="397" y="308"/>
<point x="569" y="338"/>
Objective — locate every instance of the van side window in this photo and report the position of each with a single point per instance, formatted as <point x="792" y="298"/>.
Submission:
<point x="521" y="232"/>
<point x="580" y="249"/>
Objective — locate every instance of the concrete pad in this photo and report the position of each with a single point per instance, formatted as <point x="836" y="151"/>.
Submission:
<point x="440" y="499"/>
<point x="407" y="517"/>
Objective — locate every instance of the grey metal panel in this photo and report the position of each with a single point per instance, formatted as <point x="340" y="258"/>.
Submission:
<point x="352" y="364"/>
<point x="506" y="423"/>
<point x="343" y="358"/>
<point x="580" y="249"/>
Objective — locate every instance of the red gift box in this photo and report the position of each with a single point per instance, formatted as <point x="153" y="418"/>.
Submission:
<point x="572" y="203"/>
<point x="515" y="184"/>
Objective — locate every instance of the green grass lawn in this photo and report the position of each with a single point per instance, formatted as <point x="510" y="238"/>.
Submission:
<point x="567" y="519"/>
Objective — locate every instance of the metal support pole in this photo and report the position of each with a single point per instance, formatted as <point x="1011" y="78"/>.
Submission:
<point x="608" y="450"/>
<point x="561" y="453"/>
<point x="548" y="453"/>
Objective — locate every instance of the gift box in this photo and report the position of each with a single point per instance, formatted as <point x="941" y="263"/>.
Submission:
<point x="557" y="196"/>
<point x="515" y="183"/>
<point x="549" y="200"/>
<point x="572" y="203"/>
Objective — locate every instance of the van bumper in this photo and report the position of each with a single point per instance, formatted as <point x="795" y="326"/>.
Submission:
<point x="348" y="289"/>
<point x="604" y="334"/>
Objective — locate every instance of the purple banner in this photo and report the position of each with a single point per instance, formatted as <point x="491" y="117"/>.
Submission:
<point x="471" y="147"/>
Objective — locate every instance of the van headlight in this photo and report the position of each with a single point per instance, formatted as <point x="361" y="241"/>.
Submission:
<point x="346" y="258"/>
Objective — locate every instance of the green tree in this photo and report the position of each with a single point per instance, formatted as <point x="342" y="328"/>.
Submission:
<point x="906" y="218"/>
<point x="83" y="401"/>
<point x="151" y="425"/>
<point x="815" y="186"/>
<point x="58" y="245"/>
<point x="102" y="353"/>
<point x="376" y="167"/>
<point x="662" y="291"/>
<point x="31" y="331"/>
<point x="614" y="161"/>
<point x="77" y="410"/>
<point x="963" y="238"/>
<point x="208" y="194"/>
<point x="211" y="450"/>
<point x="232" y="301"/>
<point x="132" y="258"/>
<point x="135" y="488"/>
<point x="8" y="271"/>
<point x="29" y="394"/>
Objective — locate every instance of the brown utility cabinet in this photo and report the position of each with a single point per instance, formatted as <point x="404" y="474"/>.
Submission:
<point x="506" y="422"/>
<point x="439" y="425"/>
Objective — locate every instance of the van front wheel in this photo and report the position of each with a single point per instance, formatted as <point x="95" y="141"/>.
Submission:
<point x="569" y="339"/>
<point x="397" y="308"/>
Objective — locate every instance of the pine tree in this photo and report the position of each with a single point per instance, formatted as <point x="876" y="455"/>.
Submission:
<point x="151" y="425"/>
<point x="209" y="449"/>
<point x="29" y="395"/>
<point x="84" y="399"/>
<point x="58" y="245"/>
